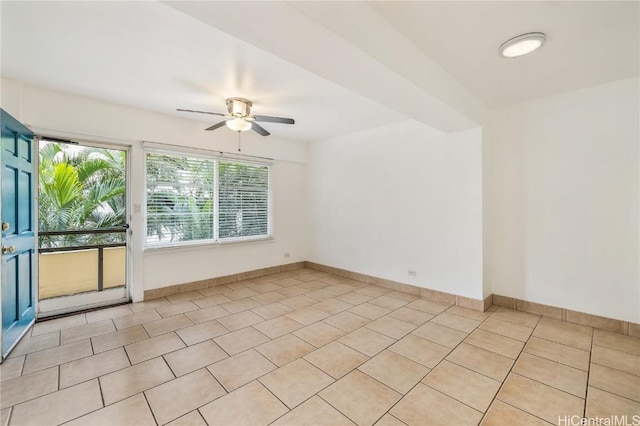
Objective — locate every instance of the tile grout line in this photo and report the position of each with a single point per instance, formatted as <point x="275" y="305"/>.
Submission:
<point x="554" y="362"/>
<point x="144" y="395"/>
<point x="615" y="350"/>
<point x="199" y="407"/>
<point x="402" y="395"/>
<point x="162" y="356"/>
<point x="175" y="376"/>
<point x="131" y="364"/>
<point x="509" y="323"/>
<point x="586" y="391"/>
<point x="430" y="369"/>
<point x="24" y="361"/>
<point x="13" y="355"/>
<point x="344" y="414"/>
<point x="289" y="410"/>
<point x="544" y="384"/>
<point x="101" y="393"/>
<point x="495" y="397"/>
<point x="616" y="395"/>
<point x="313" y="365"/>
<point x="501" y="382"/>
<point x="440" y="362"/>
<point x="201" y="415"/>
<point x="520" y="409"/>
<point x="142" y="391"/>
<point x="558" y="343"/>
<point x="9" y="416"/>
<point x="369" y="321"/>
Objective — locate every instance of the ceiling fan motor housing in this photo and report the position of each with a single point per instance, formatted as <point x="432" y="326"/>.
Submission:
<point x="239" y="107"/>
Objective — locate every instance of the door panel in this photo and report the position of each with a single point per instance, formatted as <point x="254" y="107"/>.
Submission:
<point x="9" y="190"/>
<point x="25" y="271"/>
<point x="24" y="203"/>
<point x="18" y="243"/>
<point x="9" y="292"/>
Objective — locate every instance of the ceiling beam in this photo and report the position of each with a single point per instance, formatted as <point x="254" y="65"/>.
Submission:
<point x="348" y="44"/>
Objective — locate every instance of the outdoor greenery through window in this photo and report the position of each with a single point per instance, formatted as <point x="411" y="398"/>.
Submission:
<point x="80" y="188"/>
<point x="191" y="198"/>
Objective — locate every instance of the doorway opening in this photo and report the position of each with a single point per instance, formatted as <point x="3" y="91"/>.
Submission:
<point x="82" y="227"/>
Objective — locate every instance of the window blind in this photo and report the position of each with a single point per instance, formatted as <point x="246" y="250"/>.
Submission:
<point x="243" y="200"/>
<point x="192" y="198"/>
<point x="180" y="198"/>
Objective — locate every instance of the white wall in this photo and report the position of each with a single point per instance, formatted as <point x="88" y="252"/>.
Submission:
<point x="561" y="196"/>
<point x="57" y="114"/>
<point x="170" y="266"/>
<point x="558" y="179"/>
<point x="11" y="97"/>
<point x="400" y="197"/>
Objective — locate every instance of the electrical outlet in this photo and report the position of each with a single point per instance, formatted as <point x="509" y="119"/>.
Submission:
<point x="413" y="273"/>
<point x="287" y="255"/>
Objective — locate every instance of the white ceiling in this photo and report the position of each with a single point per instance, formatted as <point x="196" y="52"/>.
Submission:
<point x="588" y="43"/>
<point x="336" y="67"/>
<point x="150" y="56"/>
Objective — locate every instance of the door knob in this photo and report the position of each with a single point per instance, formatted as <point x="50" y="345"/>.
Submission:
<point x="5" y="226"/>
<point x="9" y="249"/>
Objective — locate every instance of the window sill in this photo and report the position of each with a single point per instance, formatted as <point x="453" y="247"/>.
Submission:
<point x="207" y="245"/>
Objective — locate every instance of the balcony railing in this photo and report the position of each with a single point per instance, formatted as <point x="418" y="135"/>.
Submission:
<point x="77" y="268"/>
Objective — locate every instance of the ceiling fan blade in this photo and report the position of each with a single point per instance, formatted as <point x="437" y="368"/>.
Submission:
<point x="259" y="129"/>
<point x="200" y="112"/>
<point x="216" y="126"/>
<point x="268" y="119"/>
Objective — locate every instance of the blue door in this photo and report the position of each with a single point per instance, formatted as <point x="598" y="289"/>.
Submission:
<point x="18" y="244"/>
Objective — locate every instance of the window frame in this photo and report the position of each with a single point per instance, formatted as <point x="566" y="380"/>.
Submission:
<point x="216" y="157"/>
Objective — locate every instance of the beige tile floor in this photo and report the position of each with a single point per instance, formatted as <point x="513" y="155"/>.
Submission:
<point x="308" y="348"/>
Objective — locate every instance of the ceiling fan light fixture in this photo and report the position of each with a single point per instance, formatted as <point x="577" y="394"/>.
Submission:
<point x="239" y="118"/>
<point x="522" y="45"/>
<point x="239" y="107"/>
<point x="238" y="124"/>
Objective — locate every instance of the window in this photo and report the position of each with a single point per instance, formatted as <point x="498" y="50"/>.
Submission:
<point x="243" y="200"/>
<point x="205" y="199"/>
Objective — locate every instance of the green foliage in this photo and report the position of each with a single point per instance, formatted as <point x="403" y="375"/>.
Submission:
<point x="243" y="199"/>
<point x="179" y="198"/>
<point x="80" y="188"/>
<point x="182" y="203"/>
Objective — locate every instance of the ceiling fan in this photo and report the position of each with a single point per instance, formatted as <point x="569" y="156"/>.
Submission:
<point x="240" y="119"/>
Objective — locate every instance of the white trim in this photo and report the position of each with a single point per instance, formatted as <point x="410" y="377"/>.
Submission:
<point x="67" y="304"/>
<point x="128" y="236"/>
<point x="270" y="202"/>
<point x="78" y="136"/>
<point x="35" y="268"/>
<point x="196" y="245"/>
<point x="202" y="152"/>
<point x="216" y="202"/>
<point x="216" y="157"/>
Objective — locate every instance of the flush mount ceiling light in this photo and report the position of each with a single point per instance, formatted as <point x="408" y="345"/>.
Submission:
<point x="522" y="45"/>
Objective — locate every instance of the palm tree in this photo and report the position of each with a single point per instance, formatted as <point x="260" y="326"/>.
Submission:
<point x="80" y="188"/>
